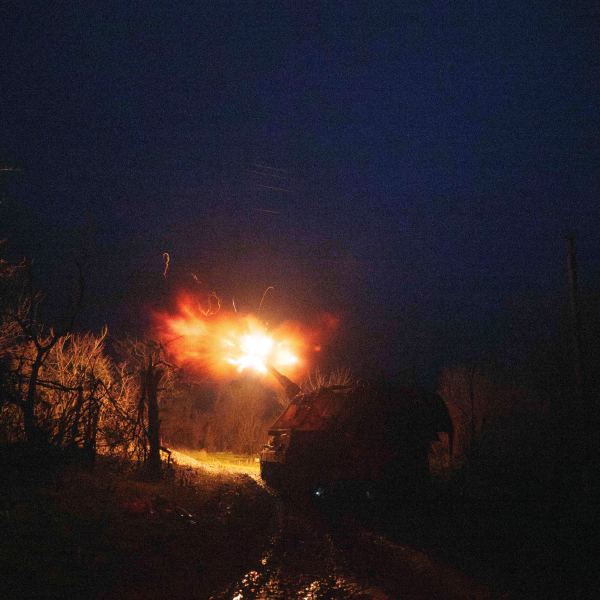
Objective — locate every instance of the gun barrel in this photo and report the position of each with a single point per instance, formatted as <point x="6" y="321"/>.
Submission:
<point x="291" y="388"/>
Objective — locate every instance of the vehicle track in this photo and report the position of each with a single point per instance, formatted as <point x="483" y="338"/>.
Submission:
<point x="302" y="561"/>
<point x="312" y="557"/>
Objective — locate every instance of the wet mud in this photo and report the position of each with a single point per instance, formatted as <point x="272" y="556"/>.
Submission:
<point x="314" y="556"/>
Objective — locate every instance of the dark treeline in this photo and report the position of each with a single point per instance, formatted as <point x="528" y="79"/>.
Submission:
<point x="518" y="409"/>
<point x="520" y="413"/>
<point x="97" y="393"/>
<point x="520" y="473"/>
<point x="61" y="387"/>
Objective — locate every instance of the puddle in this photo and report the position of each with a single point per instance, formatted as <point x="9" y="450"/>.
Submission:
<point x="301" y="562"/>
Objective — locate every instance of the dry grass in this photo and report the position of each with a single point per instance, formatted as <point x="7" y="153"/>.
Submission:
<point x="223" y="462"/>
<point x="337" y="377"/>
<point x="107" y="534"/>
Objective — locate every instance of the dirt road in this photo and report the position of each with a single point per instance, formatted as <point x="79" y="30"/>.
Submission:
<point x="212" y="530"/>
<point x="309" y="558"/>
<point x="314" y="556"/>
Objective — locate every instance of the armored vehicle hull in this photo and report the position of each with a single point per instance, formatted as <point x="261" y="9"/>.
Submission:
<point x="364" y="434"/>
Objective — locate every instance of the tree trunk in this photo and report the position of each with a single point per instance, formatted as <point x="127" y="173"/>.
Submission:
<point x="32" y="432"/>
<point x="77" y="416"/>
<point x="91" y="430"/>
<point x="153" y="377"/>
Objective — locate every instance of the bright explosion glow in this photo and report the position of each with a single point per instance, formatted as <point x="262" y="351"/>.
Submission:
<point x="227" y="341"/>
<point x="257" y="350"/>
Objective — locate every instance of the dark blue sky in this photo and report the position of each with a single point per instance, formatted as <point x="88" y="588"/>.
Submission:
<point x="413" y="170"/>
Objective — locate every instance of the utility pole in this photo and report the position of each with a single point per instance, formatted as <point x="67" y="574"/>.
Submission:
<point x="582" y="426"/>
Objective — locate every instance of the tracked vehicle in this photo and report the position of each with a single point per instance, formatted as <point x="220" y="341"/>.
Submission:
<point x="376" y="435"/>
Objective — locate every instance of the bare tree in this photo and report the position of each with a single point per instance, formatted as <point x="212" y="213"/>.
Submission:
<point x="118" y="425"/>
<point x="77" y="375"/>
<point x="146" y="361"/>
<point x="38" y="343"/>
<point x="475" y="403"/>
<point x="10" y="338"/>
<point x="9" y="279"/>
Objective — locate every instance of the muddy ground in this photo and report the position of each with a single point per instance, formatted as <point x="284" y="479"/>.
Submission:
<point x="218" y="533"/>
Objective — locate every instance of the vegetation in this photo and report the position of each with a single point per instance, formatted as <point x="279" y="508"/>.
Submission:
<point x="91" y="393"/>
<point x="337" y="377"/>
<point x="71" y="533"/>
<point x="231" y="416"/>
<point x="524" y="436"/>
<point x="63" y="388"/>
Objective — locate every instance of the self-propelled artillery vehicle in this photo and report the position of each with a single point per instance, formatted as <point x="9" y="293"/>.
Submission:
<point x="378" y="435"/>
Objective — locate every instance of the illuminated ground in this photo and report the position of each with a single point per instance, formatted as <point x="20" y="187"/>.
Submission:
<point x="68" y="532"/>
<point x="218" y="462"/>
<point x="310" y="557"/>
<point x="209" y="530"/>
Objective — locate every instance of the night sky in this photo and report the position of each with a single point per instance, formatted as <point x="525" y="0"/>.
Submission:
<point x="413" y="171"/>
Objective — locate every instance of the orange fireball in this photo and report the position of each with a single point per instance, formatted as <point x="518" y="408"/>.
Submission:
<point x="227" y="342"/>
